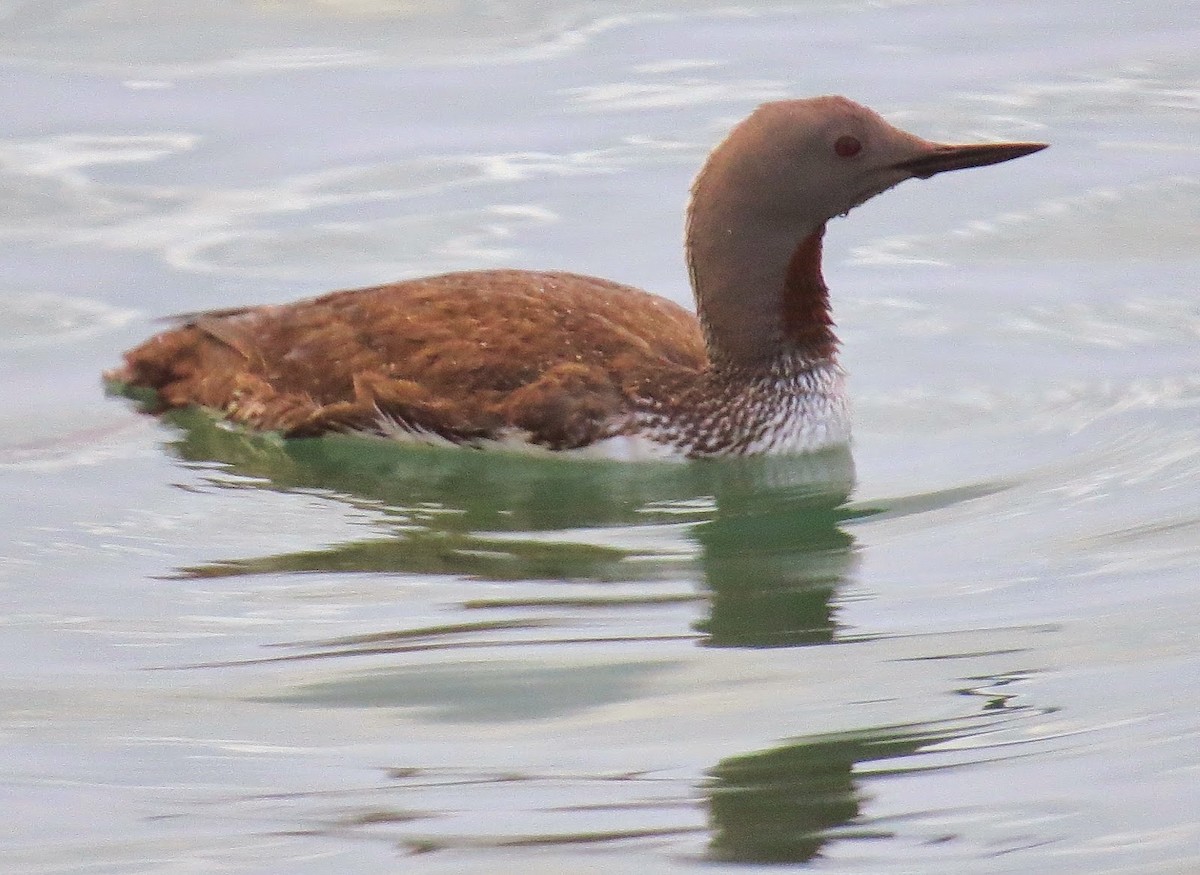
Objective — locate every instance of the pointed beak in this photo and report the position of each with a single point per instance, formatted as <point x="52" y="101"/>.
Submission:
<point x="941" y="158"/>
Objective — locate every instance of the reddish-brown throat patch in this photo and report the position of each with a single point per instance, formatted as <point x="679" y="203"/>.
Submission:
<point x="807" y="323"/>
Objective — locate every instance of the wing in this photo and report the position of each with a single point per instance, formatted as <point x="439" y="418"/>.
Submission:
<point x="463" y="356"/>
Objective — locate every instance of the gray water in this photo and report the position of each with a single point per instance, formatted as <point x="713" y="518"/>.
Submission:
<point x="223" y="653"/>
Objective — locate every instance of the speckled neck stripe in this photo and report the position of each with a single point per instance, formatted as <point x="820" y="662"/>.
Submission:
<point x="794" y="406"/>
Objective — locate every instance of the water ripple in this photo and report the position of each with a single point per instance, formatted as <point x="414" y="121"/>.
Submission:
<point x="1155" y="221"/>
<point x="34" y="319"/>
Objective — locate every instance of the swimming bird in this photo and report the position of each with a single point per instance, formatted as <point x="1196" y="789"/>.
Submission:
<point x="564" y="362"/>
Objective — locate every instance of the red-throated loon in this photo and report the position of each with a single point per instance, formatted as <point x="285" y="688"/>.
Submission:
<point x="575" y="363"/>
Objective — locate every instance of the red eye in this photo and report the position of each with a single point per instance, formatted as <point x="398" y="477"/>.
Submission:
<point x="847" y="146"/>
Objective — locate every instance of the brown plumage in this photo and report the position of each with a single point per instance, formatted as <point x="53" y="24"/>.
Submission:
<point x="564" y="361"/>
<point x="462" y="356"/>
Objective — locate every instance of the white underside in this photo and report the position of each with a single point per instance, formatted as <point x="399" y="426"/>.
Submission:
<point x="623" y="448"/>
<point x="630" y="448"/>
<point x="809" y="421"/>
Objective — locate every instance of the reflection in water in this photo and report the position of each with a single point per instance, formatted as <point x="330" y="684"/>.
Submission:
<point x="774" y="806"/>
<point x="773" y="562"/>
<point x="766" y="538"/>
<point x="481" y="692"/>
<point x="439" y="552"/>
<point x="444" y="490"/>
<point x="772" y="554"/>
<point x="785" y="804"/>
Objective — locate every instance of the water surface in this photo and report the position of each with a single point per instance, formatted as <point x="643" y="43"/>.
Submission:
<point x="974" y="653"/>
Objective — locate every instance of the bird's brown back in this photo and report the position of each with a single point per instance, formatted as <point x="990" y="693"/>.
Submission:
<point x="462" y="355"/>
